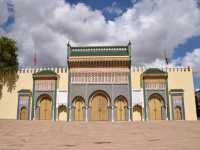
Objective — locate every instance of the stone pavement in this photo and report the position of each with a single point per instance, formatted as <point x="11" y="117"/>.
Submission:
<point x="47" y="135"/>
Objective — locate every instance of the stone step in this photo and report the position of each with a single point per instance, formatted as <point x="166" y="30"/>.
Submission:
<point x="15" y="134"/>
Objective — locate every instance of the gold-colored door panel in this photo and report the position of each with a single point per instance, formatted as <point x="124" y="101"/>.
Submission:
<point x="99" y="106"/>
<point x="121" y="111"/>
<point x="177" y="114"/>
<point x="45" y="109"/>
<point x="24" y="114"/>
<point x="155" y="111"/>
<point x="79" y="104"/>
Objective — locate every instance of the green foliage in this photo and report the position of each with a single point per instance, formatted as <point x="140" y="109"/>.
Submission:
<point x="8" y="63"/>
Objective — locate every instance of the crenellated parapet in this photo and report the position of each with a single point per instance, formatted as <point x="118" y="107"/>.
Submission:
<point x="35" y="70"/>
<point x="166" y="69"/>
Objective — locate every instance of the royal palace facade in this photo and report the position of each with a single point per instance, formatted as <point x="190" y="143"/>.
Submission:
<point x="100" y="84"/>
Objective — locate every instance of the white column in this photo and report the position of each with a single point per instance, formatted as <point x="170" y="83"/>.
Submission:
<point x="112" y="111"/>
<point x="167" y="117"/>
<point x="34" y="113"/>
<point x="86" y="113"/>
<point x="70" y="109"/>
<point x="129" y="114"/>
<point x="52" y="117"/>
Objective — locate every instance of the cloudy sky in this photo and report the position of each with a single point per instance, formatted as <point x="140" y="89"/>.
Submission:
<point x="155" y="28"/>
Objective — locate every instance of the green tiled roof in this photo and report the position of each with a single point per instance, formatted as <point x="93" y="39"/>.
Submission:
<point x="154" y="71"/>
<point x="24" y="91"/>
<point x="45" y="72"/>
<point x="99" y="51"/>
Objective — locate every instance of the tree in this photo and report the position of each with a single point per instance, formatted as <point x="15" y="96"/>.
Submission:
<point x="8" y="63"/>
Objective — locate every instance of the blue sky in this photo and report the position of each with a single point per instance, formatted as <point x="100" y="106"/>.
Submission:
<point x="154" y="27"/>
<point x="103" y="4"/>
<point x="188" y="46"/>
<point x="180" y="50"/>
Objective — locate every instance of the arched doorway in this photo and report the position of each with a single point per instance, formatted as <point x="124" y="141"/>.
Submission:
<point x="62" y="113"/>
<point x="156" y="106"/>
<point x="177" y="113"/>
<point x="137" y="113"/>
<point x="45" y="108"/>
<point x="99" y="107"/>
<point x="79" y="112"/>
<point x="24" y="113"/>
<point x="120" y="104"/>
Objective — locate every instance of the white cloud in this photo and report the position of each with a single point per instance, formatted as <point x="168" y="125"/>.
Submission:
<point x="159" y="25"/>
<point x="190" y="59"/>
<point x="153" y="26"/>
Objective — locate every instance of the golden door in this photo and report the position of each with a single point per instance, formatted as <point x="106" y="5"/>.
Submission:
<point x="99" y="108"/>
<point x="79" y="110"/>
<point x="45" y="109"/>
<point x="62" y="113"/>
<point x="177" y="113"/>
<point x="155" y="109"/>
<point x="137" y="113"/>
<point x="121" y="112"/>
<point x="24" y="114"/>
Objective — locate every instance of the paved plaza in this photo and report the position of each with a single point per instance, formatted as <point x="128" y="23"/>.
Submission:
<point x="48" y="135"/>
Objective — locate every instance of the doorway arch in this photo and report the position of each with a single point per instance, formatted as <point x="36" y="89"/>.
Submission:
<point x="78" y="104"/>
<point x="99" y="106"/>
<point x="156" y="107"/>
<point x="45" y="107"/>
<point x="177" y="113"/>
<point x="120" y="104"/>
<point x="24" y="113"/>
<point x="137" y="113"/>
<point x="62" y="113"/>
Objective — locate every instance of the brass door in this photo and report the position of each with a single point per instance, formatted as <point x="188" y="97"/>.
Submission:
<point x="99" y="108"/>
<point x="155" y="112"/>
<point x="177" y="114"/>
<point x="45" y="109"/>
<point x="24" y="114"/>
<point x="137" y="113"/>
<point x="121" y="112"/>
<point x="79" y="110"/>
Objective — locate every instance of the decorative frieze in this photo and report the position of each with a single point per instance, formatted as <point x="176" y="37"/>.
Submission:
<point x="155" y="84"/>
<point x="99" y="77"/>
<point x="45" y="85"/>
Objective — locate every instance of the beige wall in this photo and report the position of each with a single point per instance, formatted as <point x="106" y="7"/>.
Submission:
<point x="63" y="81"/>
<point x="178" y="78"/>
<point x="135" y="76"/>
<point x="9" y="101"/>
<point x="184" y="80"/>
